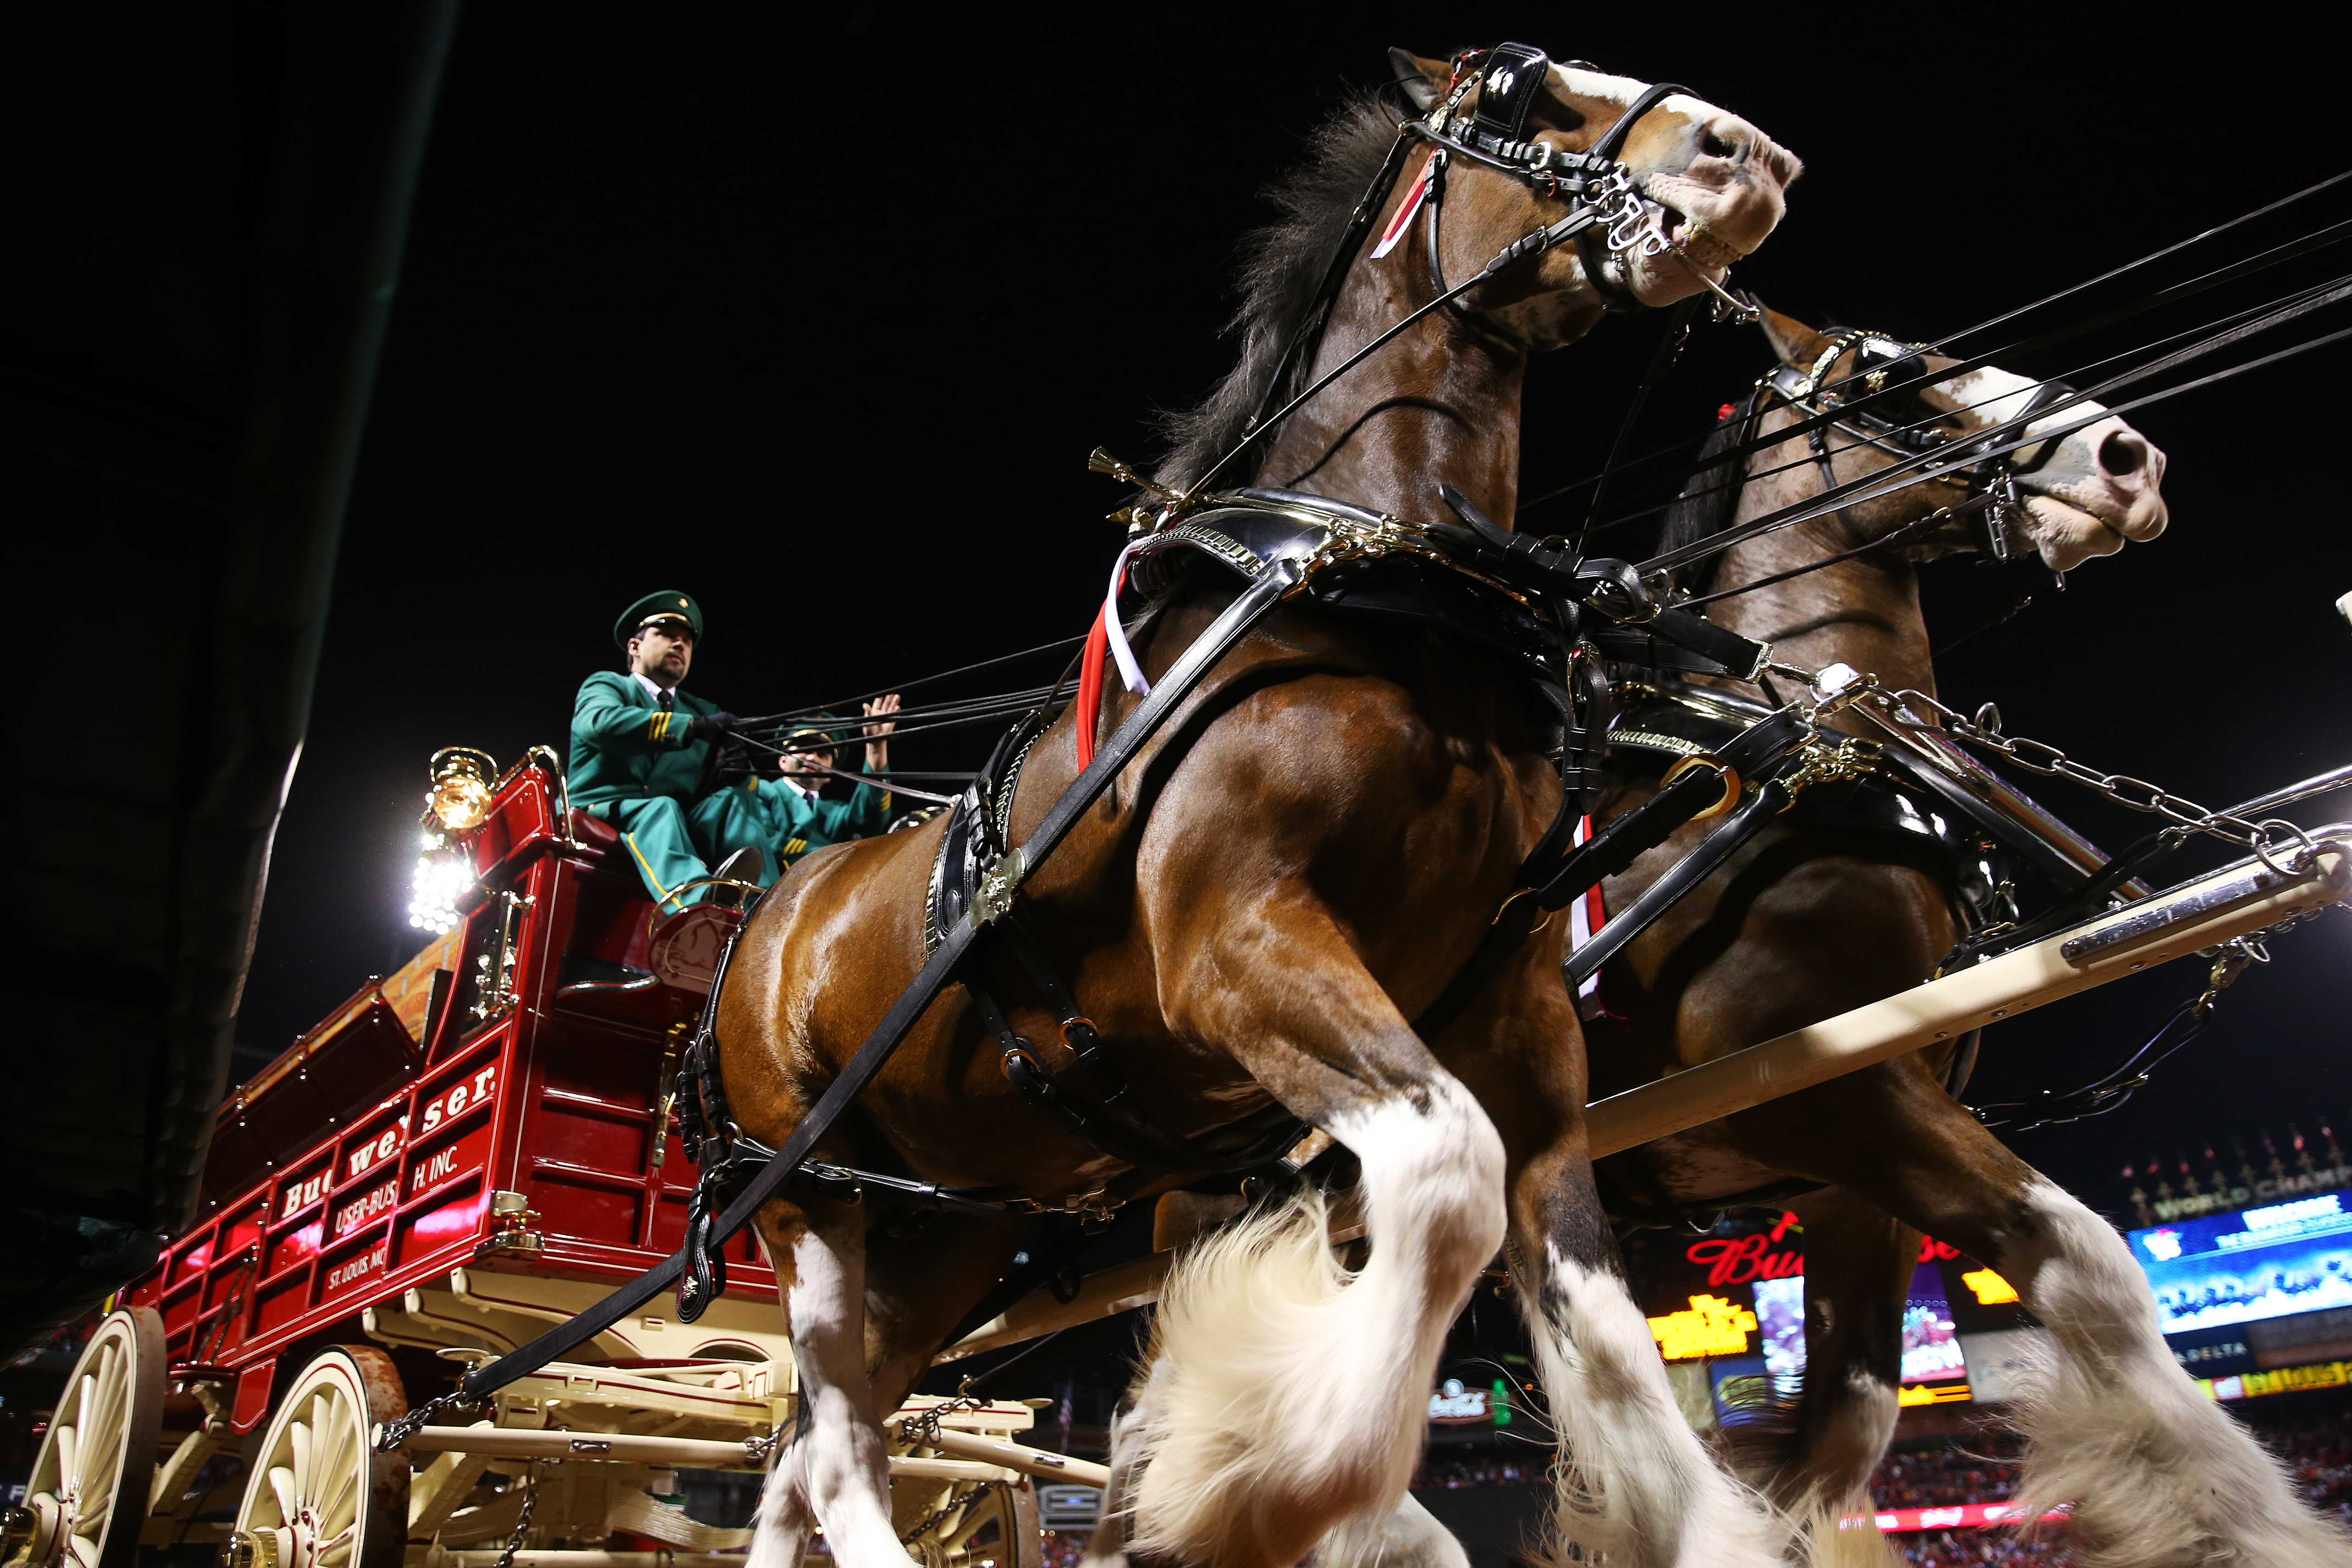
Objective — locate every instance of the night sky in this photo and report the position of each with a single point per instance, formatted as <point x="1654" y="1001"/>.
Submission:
<point x="819" y="323"/>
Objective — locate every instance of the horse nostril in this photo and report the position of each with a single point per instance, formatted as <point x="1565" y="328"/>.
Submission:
<point x="2120" y="454"/>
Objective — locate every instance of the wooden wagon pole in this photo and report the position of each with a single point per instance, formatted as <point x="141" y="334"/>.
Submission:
<point x="2203" y="914"/>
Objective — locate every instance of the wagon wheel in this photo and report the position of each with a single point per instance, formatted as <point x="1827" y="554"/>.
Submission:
<point x="958" y="1535"/>
<point x="319" y="1495"/>
<point x="88" y="1496"/>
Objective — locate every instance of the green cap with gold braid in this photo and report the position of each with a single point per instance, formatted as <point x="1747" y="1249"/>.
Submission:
<point x="668" y="605"/>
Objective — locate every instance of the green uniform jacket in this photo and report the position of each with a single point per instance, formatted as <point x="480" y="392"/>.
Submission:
<point x="625" y="748"/>
<point x="802" y="825"/>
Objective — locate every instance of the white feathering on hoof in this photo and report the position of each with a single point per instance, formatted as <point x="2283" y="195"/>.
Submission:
<point x="782" y="1536"/>
<point x="1635" y="1487"/>
<point x="2159" y="1476"/>
<point x="1410" y="1537"/>
<point x="1287" y="1395"/>
<point x="1843" y="1532"/>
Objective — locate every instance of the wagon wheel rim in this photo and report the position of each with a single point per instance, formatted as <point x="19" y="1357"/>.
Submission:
<point x="90" y="1479"/>
<point x="319" y="1496"/>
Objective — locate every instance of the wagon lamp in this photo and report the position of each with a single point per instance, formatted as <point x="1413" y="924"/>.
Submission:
<point x="458" y="798"/>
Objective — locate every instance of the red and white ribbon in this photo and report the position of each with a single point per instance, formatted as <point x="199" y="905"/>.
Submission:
<point x="1411" y="204"/>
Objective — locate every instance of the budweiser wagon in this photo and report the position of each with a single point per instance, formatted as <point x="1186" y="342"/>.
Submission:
<point x="457" y="1157"/>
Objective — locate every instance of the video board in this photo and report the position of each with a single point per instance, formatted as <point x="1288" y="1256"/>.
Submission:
<point x="2244" y="1268"/>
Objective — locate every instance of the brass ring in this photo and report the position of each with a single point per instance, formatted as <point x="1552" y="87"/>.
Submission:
<point x="1514" y="897"/>
<point x="1707" y="760"/>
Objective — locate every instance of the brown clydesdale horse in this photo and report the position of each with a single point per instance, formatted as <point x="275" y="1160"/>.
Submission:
<point x="1296" y="866"/>
<point x="1805" y="923"/>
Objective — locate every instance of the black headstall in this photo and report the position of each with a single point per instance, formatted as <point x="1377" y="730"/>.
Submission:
<point x="1878" y="403"/>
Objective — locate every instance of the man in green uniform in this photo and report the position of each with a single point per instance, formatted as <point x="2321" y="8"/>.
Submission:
<point x="638" y="743"/>
<point x="798" y="819"/>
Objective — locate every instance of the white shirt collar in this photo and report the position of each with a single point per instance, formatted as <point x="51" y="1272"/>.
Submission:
<point x="653" y="687"/>
<point x="807" y="791"/>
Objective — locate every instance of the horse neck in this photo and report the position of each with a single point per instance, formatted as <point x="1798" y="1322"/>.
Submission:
<point x="1441" y="402"/>
<point x="1863" y="613"/>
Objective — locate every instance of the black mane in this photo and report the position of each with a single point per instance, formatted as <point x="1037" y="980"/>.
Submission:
<point x="1709" y="499"/>
<point x="1282" y="264"/>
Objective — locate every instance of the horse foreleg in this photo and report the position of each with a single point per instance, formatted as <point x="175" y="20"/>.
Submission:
<point x="1288" y="1394"/>
<point x="837" y="1461"/>
<point x="1408" y="1537"/>
<point x="2159" y="1475"/>
<point x="1635" y="1486"/>
<point x="1815" y="1461"/>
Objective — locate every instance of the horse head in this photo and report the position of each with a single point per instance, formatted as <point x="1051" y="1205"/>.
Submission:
<point x="1711" y="187"/>
<point x="2087" y="492"/>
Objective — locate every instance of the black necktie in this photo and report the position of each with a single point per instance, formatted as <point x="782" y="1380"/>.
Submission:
<point x="665" y="702"/>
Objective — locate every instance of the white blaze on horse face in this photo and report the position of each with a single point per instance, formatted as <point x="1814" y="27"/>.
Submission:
<point x="1714" y="186"/>
<point x="2157" y="1473"/>
<point x="2101" y="487"/>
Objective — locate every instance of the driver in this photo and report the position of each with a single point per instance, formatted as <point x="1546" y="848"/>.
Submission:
<point x="638" y="743"/>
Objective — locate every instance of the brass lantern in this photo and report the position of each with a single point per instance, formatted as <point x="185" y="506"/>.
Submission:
<point x="459" y="798"/>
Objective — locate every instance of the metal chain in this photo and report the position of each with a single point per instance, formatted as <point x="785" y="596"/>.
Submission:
<point x="396" y="1432"/>
<point x="923" y="1431"/>
<point x="522" y="1525"/>
<point x="951" y="1509"/>
<point x="2131" y="794"/>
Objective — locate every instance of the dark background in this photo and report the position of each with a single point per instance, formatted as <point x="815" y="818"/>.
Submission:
<point x="819" y="320"/>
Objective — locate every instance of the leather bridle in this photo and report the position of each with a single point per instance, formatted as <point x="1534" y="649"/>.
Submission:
<point x="1603" y="195"/>
<point x="1846" y="405"/>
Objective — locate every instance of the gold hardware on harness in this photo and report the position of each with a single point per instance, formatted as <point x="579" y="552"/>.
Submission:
<point x="1514" y="897"/>
<point x="1707" y="760"/>
<point x="1102" y="462"/>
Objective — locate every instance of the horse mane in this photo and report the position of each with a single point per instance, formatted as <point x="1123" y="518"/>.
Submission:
<point x="1282" y="265"/>
<point x="1708" y="501"/>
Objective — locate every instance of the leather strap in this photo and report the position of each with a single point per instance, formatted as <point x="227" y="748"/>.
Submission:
<point x="1211" y="645"/>
<point x="1769" y="801"/>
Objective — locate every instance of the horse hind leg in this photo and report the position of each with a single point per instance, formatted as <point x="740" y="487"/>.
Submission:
<point x="1283" y="1394"/>
<point x="837" y="1470"/>
<point x="2158" y="1475"/>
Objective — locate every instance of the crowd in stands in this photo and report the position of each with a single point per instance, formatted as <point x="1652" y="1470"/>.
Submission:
<point x="1984" y="1471"/>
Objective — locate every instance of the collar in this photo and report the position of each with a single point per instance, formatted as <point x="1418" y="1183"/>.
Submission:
<point x="652" y="690"/>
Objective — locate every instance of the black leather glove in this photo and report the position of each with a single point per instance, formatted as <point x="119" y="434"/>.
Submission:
<point x="708" y="726"/>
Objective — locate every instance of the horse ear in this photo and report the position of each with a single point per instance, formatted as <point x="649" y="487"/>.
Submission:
<point x="1423" y="81"/>
<point x="1796" y="343"/>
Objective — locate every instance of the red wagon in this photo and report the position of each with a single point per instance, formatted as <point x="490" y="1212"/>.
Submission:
<point x="457" y="1156"/>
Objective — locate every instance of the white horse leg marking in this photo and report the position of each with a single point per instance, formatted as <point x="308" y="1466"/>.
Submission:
<point x="1636" y="1485"/>
<point x="1409" y="1537"/>
<point x="1106" y="1547"/>
<point x="780" y="1536"/>
<point x="2158" y="1474"/>
<point x="842" y="1468"/>
<point x="1290" y="1396"/>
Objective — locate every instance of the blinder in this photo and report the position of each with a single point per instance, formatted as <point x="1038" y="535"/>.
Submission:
<point x="1879" y="403"/>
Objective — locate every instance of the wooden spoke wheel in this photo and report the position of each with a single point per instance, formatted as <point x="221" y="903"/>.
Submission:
<point x="996" y="1524"/>
<point x="319" y="1495"/>
<point x="88" y="1496"/>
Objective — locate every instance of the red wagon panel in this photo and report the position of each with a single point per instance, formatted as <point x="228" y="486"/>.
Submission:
<point x="365" y="1160"/>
